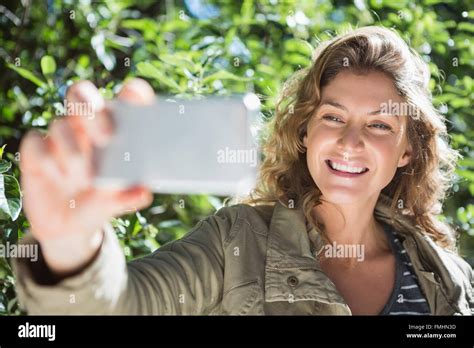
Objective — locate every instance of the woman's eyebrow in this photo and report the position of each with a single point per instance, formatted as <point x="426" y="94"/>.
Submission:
<point x="342" y="107"/>
<point x="382" y="113"/>
<point x="335" y="104"/>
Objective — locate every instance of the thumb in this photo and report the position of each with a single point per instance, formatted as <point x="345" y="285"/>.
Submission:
<point x="98" y="206"/>
<point x="132" y="199"/>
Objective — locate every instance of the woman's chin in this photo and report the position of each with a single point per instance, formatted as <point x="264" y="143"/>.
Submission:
<point x="343" y="196"/>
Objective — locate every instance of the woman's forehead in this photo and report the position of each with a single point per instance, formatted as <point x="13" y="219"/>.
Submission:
<point x="366" y="93"/>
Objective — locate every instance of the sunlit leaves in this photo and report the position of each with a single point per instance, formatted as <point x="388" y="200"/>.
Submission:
<point x="10" y="197"/>
<point x="148" y="70"/>
<point x="30" y="76"/>
<point x="48" y="65"/>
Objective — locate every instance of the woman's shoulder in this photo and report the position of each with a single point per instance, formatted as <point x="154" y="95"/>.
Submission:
<point x="460" y="263"/>
<point x="257" y="216"/>
<point x="229" y="220"/>
<point x="440" y="257"/>
<point x="451" y="256"/>
<point x="432" y="253"/>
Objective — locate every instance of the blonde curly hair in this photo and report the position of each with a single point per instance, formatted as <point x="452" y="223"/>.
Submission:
<point x="422" y="185"/>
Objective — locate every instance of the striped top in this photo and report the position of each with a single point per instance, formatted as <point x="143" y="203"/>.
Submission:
<point x="407" y="297"/>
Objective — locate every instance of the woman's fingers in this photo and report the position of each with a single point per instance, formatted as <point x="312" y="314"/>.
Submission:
<point x="40" y="176"/>
<point x="74" y="164"/>
<point x="94" y="207"/>
<point x="137" y="91"/>
<point x="88" y="114"/>
<point x="36" y="158"/>
<point x="57" y="170"/>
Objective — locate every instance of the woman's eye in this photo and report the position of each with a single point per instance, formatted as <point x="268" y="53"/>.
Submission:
<point x="381" y="126"/>
<point x="331" y="118"/>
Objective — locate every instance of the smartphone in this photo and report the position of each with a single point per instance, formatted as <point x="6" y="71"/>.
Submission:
<point x="183" y="145"/>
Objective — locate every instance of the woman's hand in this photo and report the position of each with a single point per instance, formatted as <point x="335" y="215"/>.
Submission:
<point x="65" y="211"/>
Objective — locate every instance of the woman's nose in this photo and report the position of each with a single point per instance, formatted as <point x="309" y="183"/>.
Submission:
<point x="351" y="138"/>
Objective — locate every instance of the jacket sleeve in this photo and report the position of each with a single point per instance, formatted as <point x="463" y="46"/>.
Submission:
<point x="468" y="273"/>
<point x="182" y="277"/>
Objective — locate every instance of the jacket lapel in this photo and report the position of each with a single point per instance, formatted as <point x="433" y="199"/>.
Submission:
<point x="441" y="280"/>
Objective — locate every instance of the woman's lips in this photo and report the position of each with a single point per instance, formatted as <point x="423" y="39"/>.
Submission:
<point x="344" y="174"/>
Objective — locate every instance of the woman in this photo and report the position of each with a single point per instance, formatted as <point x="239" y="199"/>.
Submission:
<point x="343" y="220"/>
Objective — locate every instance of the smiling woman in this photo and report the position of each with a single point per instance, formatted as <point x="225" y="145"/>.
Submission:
<point x="338" y="102"/>
<point x="344" y="172"/>
<point x="355" y="133"/>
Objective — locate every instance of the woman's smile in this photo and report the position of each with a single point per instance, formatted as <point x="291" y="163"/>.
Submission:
<point x="345" y="170"/>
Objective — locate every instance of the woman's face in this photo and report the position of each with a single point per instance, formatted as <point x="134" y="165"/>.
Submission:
<point x="350" y="132"/>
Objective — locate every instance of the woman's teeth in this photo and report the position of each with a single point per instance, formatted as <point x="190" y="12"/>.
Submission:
<point x="347" y="169"/>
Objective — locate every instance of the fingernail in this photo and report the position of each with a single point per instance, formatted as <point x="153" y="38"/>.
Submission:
<point x="88" y="92"/>
<point x="145" y="197"/>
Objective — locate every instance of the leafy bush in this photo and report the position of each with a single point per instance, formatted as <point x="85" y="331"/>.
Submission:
<point x="199" y="47"/>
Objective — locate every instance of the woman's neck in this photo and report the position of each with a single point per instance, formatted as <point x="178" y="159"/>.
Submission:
<point x="352" y="224"/>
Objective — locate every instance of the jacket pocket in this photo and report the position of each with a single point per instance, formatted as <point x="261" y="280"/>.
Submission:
<point x="243" y="298"/>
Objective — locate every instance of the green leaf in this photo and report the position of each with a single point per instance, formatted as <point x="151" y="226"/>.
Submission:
<point x="461" y="214"/>
<point x="1" y="150"/>
<point x="223" y="75"/>
<point x="468" y="82"/>
<point x="266" y="69"/>
<point x="297" y="59"/>
<point x="466" y="174"/>
<point x="137" y="227"/>
<point x="48" y="65"/>
<point x="466" y="26"/>
<point x="467" y="162"/>
<point x="11" y="304"/>
<point x="459" y="138"/>
<point x="2" y="303"/>
<point x="10" y="198"/>
<point x="179" y="62"/>
<point x="460" y="103"/>
<point x="299" y="46"/>
<point x="4" y="166"/>
<point x="28" y="75"/>
<point x="146" y="69"/>
<point x="10" y="232"/>
<point x="247" y="11"/>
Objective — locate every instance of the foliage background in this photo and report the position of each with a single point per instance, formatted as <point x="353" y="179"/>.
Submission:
<point x="206" y="47"/>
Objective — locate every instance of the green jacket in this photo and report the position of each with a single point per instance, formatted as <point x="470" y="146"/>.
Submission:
<point x="242" y="260"/>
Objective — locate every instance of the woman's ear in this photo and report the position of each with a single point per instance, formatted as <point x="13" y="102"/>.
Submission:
<point x="305" y="140"/>
<point x="406" y="157"/>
